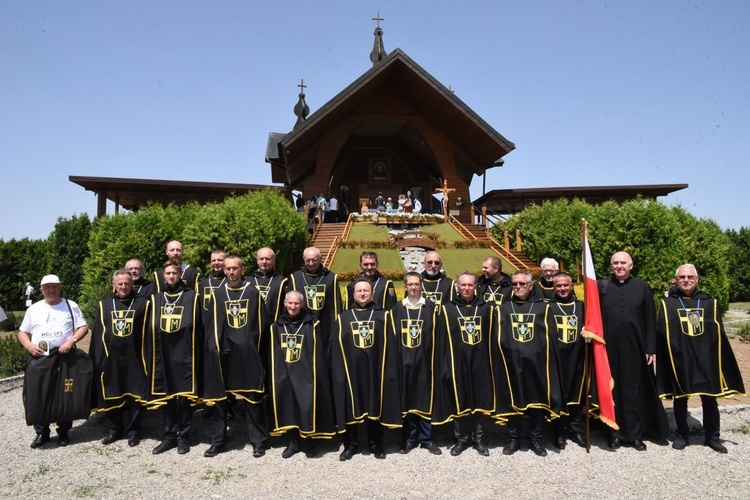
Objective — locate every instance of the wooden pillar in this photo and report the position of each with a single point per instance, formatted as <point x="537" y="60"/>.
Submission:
<point x="519" y="246"/>
<point x="484" y="216"/>
<point x="506" y="242"/>
<point x="101" y="204"/>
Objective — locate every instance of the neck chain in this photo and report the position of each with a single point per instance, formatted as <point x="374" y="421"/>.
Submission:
<point x="561" y="309"/>
<point x="114" y="307"/>
<point x="685" y="307"/>
<point x="419" y="314"/>
<point x="257" y="285"/>
<point x="368" y="319"/>
<point x="304" y="277"/>
<point x="170" y="305"/>
<point x="301" y="324"/>
<point x="458" y="310"/>
<point x="513" y="306"/>
<point x="226" y="289"/>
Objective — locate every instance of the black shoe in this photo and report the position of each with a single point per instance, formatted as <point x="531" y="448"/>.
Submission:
<point x="406" y="448"/>
<point x="348" y="453"/>
<point x="212" y="451"/>
<point x="716" y="445"/>
<point x="182" y="446"/>
<point x="638" y="445"/>
<point x="559" y="442"/>
<point x="111" y="438"/>
<point x="39" y="441"/>
<point x="538" y="449"/>
<point x="481" y="448"/>
<point x="165" y="445"/>
<point x="133" y="440"/>
<point x="578" y="439"/>
<point x="679" y="443"/>
<point x="433" y="449"/>
<point x="377" y="451"/>
<point x="63" y="439"/>
<point x="513" y="446"/>
<point x="291" y="450"/>
<point x="459" y="448"/>
<point x="614" y="443"/>
<point x="259" y="451"/>
<point x="311" y="450"/>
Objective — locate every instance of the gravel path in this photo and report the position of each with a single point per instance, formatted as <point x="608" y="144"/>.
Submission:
<point x="88" y="469"/>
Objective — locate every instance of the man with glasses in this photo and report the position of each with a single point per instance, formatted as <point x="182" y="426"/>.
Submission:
<point x="530" y="384"/>
<point x="629" y="317"/>
<point x="436" y="286"/>
<point x="697" y="358"/>
<point x="142" y="286"/>
<point x="543" y="287"/>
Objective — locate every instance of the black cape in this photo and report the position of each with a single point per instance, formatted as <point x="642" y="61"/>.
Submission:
<point x="300" y="391"/>
<point x="174" y="337"/>
<point x="629" y="317"/>
<point x="117" y="351"/>
<point x="364" y="369"/>
<point x="439" y="289"/>
<point x="208" y="285"/>
<point x="695" y="357"/>
<point x="235" y="351"/>
<point x="526" y="371"/>
<point x="189" y="278"/>
<point x="466" y="383"/>
<point x="543" y="289"/>
<point x="413" y="332"/>
<point x="322" y="297"/>
<point x="383" y="292"/>
<point x="145" y="288"/>
<point x="272" y="287"/>
<point x="496" y="292"/>
<point x="565" y="320"/>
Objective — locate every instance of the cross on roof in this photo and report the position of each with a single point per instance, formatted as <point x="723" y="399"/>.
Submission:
<point x="302" y="85"/>
<point x="378" y="18"/>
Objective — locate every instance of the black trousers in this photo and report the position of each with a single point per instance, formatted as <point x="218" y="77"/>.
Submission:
<point x="62" y="428"/>
<point x="574" y="422"/>
<point x="468" y="427"/>
<point x="711" y="423"/>
<point x="254" y="419"/>
<point x="125" y="420"/>
<point x="536" y="423"/>
<point x="374" y="434"/>
<point x="178" y="416"/>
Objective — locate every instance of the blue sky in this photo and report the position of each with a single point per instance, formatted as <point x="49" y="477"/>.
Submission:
<point x="591" y="93"/>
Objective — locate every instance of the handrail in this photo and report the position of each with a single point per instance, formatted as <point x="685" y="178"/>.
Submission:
<point x="506" y="254"/>
<point x="332" y="251"/>
<point x="461" y="228"/>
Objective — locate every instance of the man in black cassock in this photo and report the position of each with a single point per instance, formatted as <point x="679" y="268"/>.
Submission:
<point x="142" y="286"/>
<point x="530" y="383"/>
<point x="543" y="287"/>
<point x="565" y="319"/>
<point x="629" y="317"/>
<point x="494" y="285"/>
<point x="188" y="274"/>
<point x="464" y="327"/>
<point x="235" y="355"/>
<point x="120" y="384"/>
<point x="174" y="337"/>
<point x="436" y="286"/>
<point x="365" y="374"/>
<point x="269" y="282"/>
<point x="695" y="357"/>
<point x="214" y="280"/>
<point x="412" y="327"/>
<point x="300" y="391"/>
<point x="320" y="287"/>
<point x="384" y="294"/>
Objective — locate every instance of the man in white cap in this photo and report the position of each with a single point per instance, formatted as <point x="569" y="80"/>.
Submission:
<point x="52" y="324"/>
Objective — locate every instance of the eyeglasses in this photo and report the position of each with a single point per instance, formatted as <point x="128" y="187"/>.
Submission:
<point x="691" y="278"/>
<point x="433" y="262"/>
<point x="520" y="283"/>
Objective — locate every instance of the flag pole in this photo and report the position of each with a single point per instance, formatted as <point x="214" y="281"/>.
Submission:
<point x="587" y="355"/>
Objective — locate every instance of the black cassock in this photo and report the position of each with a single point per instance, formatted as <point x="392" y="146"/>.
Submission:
<point x="695" y="357"/>
<point x="495" y="292"/>
<point x="322" y="297"/>
<point x="208" y="285"/>
<point x="272" y="287"/>
<point x="526" y="371"/>
<point x="383" y="292"/>
<point x="466" y="384"/>
<point x="117" y="351"/>
<point x="189" y="278"/>
<point x="412" y="330"/>
<point x="236" y="345"/>
<point x="629" y="316"/>
<point x="364" y="367"/>
<point x="174" y="337"/>
<point x="300" y="391"/>
<point x="565" y="321"/>
<point x="439" y="289"/>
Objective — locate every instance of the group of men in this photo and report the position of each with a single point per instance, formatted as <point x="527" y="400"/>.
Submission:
<point x="295" y="356"/>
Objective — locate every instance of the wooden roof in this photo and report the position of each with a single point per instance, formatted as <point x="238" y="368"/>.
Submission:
<point x="481" y="143"/>
<point x="131" y="194"/>
<point x="511" y="201"/>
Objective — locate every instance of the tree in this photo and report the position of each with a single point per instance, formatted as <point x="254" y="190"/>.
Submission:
<point x="739" y="263"/>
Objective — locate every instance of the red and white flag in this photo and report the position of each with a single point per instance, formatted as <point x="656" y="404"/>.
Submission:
<point x="594" y="329"/>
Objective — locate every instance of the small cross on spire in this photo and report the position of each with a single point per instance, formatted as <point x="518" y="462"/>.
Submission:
<point x="378" y="18"/>
<point x="302" y="85"/>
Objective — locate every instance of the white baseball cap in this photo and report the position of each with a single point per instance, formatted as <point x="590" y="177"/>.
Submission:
<point x="50" y="279"/>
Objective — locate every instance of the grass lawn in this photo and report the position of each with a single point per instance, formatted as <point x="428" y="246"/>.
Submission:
<point x="368" y="232"/>
<point x="445" y="231"/>
<point x="456" y="260"/>
<point x="347" y="259"/>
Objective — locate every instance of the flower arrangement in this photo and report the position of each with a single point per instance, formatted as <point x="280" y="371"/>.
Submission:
<point x="351" y="275"/>
<point x="459" y="201"/>
<point x="366" y="244"/>
<point x="398" y="218"/>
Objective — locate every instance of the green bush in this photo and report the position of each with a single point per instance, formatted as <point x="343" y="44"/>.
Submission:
<point x="744" y="333"/>
<point x="12" y="357"/>
<point x="9" y="324"/>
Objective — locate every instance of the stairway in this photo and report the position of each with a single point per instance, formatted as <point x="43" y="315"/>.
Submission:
<point x="324" y="239"/>
<point x="519" y="260"/>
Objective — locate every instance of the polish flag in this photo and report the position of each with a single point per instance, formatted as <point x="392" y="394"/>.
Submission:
<point x="594" y="329"/>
